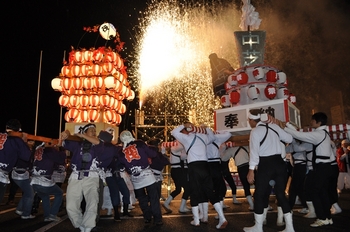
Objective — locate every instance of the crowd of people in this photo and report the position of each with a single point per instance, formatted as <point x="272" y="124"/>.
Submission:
<point x="199" y="169"/>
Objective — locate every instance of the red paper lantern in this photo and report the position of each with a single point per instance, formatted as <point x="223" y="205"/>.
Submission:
<point x="234" y="97"/>
<point x="116" y="105"/>
<point x="96" y="69"/>
<point x="72" y="114"/>
<point x="292" y="98"/>
<point x="122" y="109"/>
<point x="75" y="70"/>
<point x="108" y="67"/>
<point x="63" y="100"/>
<point x="104" y="100"/>
<point x="109" y="115"/>
<point x="271" y="76"/>
<point x="74" y="100"/>
<point x="242" y="78"/>
<point x="84" y="116"/>
<point x="232" y="80"/>
<point x="79" y="57"/>
<point x="225" y="100"/>
<point x="94" y="100"/>
<point x="97" y="82"/>
<point x="97" y="55"/>
<point x="84" y="100"/>
<point x="66" y="117"/>
<point x="84" y="70"/>
<point x="87" y="56"/>
<point x="77" y="83"/>
<point x="67" y="83"/>
<point x="258" y="73"/>
<point x="93" y="115"/>
<point x="87" y="83"/>
<point x="270" y="92"/>
<point x="118" y="119"/>
<point x="111" y="102"/>
<point x="111" y="56"/>
<point x="65" y="71"/>
<point x="227" y="86"/>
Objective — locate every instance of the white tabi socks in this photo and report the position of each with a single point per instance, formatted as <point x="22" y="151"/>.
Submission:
<point x="289" y="222"/>
<point x="222" y="220"/>
<point x="258" y="227"/>
<point x="279" y="216"/>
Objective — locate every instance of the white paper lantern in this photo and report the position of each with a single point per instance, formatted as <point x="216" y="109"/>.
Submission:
<point x="107" y="31"/>
<point x="253" y="92"/>
<point x="281" y="77"/>
<point x="225" y="100"/>
<point x="282" y="92"/>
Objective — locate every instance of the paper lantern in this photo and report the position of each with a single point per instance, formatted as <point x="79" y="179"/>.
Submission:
<point x="108" y="67"/>
<point x="97" y="55"/>
<point x="225" y="100"/>
<point x="74" y="100"/>
<point x="281" y="77"/>
<point x="132" y="96"/>
<point x="66" y="117"/>
<point x="107" y="31"/>
<point x="227" y="87"/>
<point x="253" y="92"/>
<point x="63" y="100"/>
<point x="84" y="100"/>
<point x="56" y="84"/>
<point x="109" y="115"/>
<point x="258" y="73"/>
<point x="111" y="102"/>
<point x="75" y="70"/>
<point x="282" y="92"/>
<point x="87" y="83"/>
<point x="292" y="98"/>
<point x="242" y="78"/>
<point x="122" y="109"/>
<point x="118" y="119"/>
<point x="73" y="113"/>
<point x="66" y="83"/>
<point x="234" y="97"/>
<point x="271" y="76"/>
<point x="87" y="56"/>
<point x="110" y="82"/>
<point x="232" y="80"/>
<point x="270" y="92"/>
<point x="96" y="69"/>
<point x="94" y="100"/>
<point x="79" y="58"/>
<point x="84" y="70"/>
<point x="65" y="71"/>
<point x="104" y="100"/>
<point x="117" y="104"/>
<point x="111" y="57"/>
<point x="77" y="83"/>
<point x="84" y="116"/>
<point x="93" y="115"/>
<point x="97" y="82"/>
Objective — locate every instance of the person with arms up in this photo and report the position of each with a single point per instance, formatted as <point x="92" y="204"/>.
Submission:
<point x="321" y="162"/>
<point x="179" y="174"/>
<point x="45" y="160"/>
<point x="12" y="148"/>
<point x="200" y="180"/>
<point x="266" y="156"/>
<point x="84" y="179"/>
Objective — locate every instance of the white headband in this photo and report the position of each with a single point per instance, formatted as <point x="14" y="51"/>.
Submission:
<point x="254" y="117"/>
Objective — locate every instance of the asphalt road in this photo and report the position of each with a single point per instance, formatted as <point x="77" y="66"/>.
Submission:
<point x="238" y="217"/>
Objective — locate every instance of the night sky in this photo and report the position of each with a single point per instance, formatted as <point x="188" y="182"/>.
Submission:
<point x="309" y="40"/>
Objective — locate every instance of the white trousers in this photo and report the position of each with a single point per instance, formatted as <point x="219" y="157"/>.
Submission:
<point x="89" y="188"/>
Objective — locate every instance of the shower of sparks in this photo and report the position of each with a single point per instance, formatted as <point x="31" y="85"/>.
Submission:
<point x="173" y="44"/>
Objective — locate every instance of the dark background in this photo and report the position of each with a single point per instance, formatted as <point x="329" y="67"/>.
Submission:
<point x="310" y="40"/>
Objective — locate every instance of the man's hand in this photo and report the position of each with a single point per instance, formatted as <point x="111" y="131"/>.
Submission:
<point x="250" y="176"/>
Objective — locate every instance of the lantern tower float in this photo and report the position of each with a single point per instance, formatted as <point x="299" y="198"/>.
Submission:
<point x="94" y="84"/>
<point x="254" y="84"/>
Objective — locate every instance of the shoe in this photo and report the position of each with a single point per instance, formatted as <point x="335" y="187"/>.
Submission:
<point x="160" y="223"/>
<point x="52" y="218"/>
<point x="303" y="211"/>
<point x="194" y="224"/>
<point x="19" y="212"/>
<point x="235" y="202"/>
<point x="320" y="222"/>
<point x="28" y="217"/>
<point x="330" y="221"/>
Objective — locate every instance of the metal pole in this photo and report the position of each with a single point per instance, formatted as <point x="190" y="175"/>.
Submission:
<point x="37" y="95"/>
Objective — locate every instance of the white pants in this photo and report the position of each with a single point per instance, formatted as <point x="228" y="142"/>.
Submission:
<point x="89" y="188"/>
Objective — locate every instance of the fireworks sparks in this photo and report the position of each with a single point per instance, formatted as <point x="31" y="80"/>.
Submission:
<point x="172" y="65"/>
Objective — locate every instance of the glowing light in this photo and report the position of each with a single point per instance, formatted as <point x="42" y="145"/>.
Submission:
<point x="173" y="46"/>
